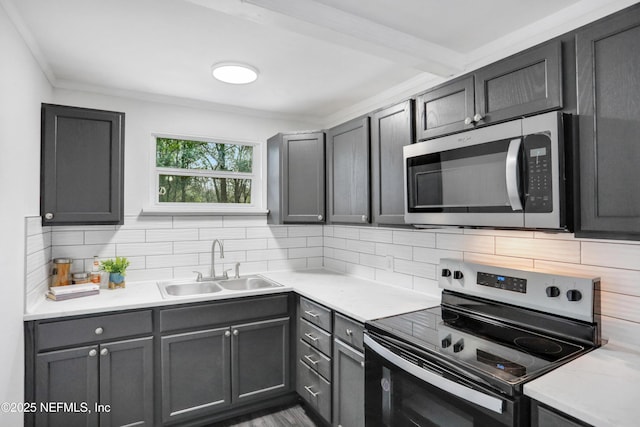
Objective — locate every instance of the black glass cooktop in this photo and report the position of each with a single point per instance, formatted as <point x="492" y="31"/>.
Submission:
<point x="506" y="352"/>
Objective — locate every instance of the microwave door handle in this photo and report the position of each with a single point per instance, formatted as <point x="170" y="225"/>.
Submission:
<point x="474" y="396"/>
<point x="512" y="174"/>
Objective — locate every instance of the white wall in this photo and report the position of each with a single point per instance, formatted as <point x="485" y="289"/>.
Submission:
<point x="23" y="87"/>
<point x="144" y="118"/>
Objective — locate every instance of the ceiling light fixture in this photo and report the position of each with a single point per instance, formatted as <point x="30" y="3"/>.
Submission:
<point x="234" y="73"/>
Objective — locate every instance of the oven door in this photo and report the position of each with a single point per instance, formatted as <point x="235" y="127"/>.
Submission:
<point x="404" y="389"/>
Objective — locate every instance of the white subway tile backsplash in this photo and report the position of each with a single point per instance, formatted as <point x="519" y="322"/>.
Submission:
<point x="269" y="232"/>
<point x="346" y="232"/>
<point x="84" y="251"/>
<point x="305" y="231"/>
<point x="611" y="255"/>
<point x="244" y="221"/>
<point x="197" y="221"/>
<point x="245" y="245"/>
<point x="397" y="251"/>
<point x="414" y="238"/>
<point x="551" y="250"/>
<point x="361" y="246"/>
<point x="361" y="271"/>
<point x="315" y="241"/>
<point x="162" y="261"/>
<point x="287" y="264"/>
<point x="38" y="260"/>
<point x="346" y="256"/>
<point x="620" y="306"/>
<point x="413" y="268"/>
<point x="140" y="249"/>
<point x="427" y="286"/>
<point x="172" y="235"/>
<point x="374" y="261"/>
<point x="287" y="242"/>
<point x="197" y="246"/>
<point x="433" y="256"/>
<point x="60" y="238"/>
<point x="33" y="225"/>
<point x="394" y="279"/>
<point x="146" y="222"/>
<point x="229" y="256"/>
<point x="223" y="233"/>
<point x="37" y="242"/>
<point x="315" y="262"/>
<point x="466" y="242"/>
<point x="335" y="242"/>
<point x="253" y="267"/>
<point x="499" y="260"/>
<point x="335" y="265"/>
<point x="150" y="274"/>
<point x="327" y="231"/>
<point x="94" y="237"/>
<point x="305" y="252"/>
<point x="267" y="254"/>
<point x="377" y="235"/>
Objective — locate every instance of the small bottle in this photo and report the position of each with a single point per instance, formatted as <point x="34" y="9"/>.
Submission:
<point x="95" y="271"/>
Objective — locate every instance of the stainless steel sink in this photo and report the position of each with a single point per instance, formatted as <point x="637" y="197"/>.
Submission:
<point x="247" y="283"/>
<point x="184" y="289"/>
<point x="188" y="288"/>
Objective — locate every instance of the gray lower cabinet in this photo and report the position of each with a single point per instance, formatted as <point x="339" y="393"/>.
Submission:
<point x="296" y="178"/>
<point x="207" y="371"/>
<point x="109" y="384"/>
<point x="348" y="386"/>
<point x="607" y="61"/>
<point x="196" y="369"/>
<point x="82" y="166"/>
<point x="391" y="129"/>
<point x="348" y="172"/>
<point x="543" y="416"/>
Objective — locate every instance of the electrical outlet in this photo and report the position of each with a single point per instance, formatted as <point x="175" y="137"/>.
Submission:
<point x="389" y="261"/>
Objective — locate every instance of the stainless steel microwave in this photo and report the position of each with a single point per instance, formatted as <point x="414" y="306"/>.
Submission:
<point x="509" y="175"/>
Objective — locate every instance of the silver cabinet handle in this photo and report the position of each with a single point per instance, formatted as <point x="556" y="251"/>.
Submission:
<point x="104" y="352"/>
<point x="99" y="331"/>
<point x="313" y="362"/>
<point x="48" y="215"/>
<point x="477" y="117"/>
<point x="511" y="173"/>
<point x="311" y="337"/>
<point x="362" y="364"/>
<point x="93" y="353"/>
<point x="364" y="218"/>
<point x="349" y="332"/>
<point x="320" y="217"/>
<point x="311" y="314"/>
<point x="311" y="392"/>
<point x="468" y="120"/>
<point x="227" y="334"/>
<point x="235" y="332"/>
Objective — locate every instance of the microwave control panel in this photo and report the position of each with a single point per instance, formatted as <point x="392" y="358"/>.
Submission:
<point x="537" y="152"/>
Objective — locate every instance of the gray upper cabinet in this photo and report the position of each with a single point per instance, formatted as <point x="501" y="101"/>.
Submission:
<point x="520" y="85"/>
<point x="444" y="109"/>
<point x="295" y="177"/>
<point x="348" y="172"/>
<point x="82" y="171"/>
<point x="391" y="129"/>
<point x="607" y="61"/>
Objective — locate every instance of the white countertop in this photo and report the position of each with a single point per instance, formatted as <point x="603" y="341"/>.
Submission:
<point x="601" y="388"/>
<point x="357" y="298"/>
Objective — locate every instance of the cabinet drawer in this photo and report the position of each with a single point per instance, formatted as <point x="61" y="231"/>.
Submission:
<point x="349" y="331"/>
<point x="314" y="359"/>
<point x="315" y="390"/>
<point x="314" y="336"/>
<point x="227" y="312"/>
<point x="65" y="333"/>
<point x="316" y="314"/>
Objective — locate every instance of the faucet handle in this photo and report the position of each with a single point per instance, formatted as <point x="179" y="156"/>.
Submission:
<point x="199" y="276"/>
<point x="225" y="274"/>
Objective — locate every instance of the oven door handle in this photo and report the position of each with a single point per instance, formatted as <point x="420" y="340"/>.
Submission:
<point x="513" y="192"/>
<point x="481" y="399"/>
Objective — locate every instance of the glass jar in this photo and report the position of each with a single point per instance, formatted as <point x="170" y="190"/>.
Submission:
<point x="61" y="272"/>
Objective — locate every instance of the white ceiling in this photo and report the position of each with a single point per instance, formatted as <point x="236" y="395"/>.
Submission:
<point x="315" y="57"/>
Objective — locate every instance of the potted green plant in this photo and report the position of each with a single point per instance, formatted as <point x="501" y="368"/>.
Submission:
<point x="117" y="269"/>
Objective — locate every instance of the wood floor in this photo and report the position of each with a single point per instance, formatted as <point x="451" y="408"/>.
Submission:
<point x="294" y="416"/>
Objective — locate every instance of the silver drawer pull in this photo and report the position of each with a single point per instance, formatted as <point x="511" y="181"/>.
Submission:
<point x="362" y="364"/>
<point x="311" y="314"/>
<point x="99" y="331"/>
<point x="311" y="337"/>
<point x="104" y="352"/>
<point x="93" y="353"/>
<point x="349" y="332"/>
<point x="313" y="362"/>
<point x="311" y="392"/>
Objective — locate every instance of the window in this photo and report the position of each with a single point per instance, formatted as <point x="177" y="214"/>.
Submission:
<point x="198" y="174"/>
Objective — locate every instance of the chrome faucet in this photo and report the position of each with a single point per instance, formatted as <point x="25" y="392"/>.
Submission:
<point x="213" y="258"/>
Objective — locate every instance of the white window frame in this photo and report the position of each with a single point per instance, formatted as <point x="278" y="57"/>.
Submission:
<point x="256" y="176"/>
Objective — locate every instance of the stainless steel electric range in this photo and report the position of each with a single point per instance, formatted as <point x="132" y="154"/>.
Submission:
<point x="464" y="363"/>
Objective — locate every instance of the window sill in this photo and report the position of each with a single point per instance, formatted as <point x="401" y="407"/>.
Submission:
<point x="161" y="210"/>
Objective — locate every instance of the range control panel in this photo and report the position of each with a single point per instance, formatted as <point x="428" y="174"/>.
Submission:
<point x="499" y="281"/>
<point x="573" y="297"/>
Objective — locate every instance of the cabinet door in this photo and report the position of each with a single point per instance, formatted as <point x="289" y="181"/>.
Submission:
<point x="443" y="109"/>
<point x="82" y="166"/>
<point x="391" y="129"/>
<point x="260" y="359"/>
<point x="195" y="373"/>
<point x="608" y="60"/>
<point x="348" y="386"/>
<point x="348" y="172"/>
<point x="126" y="382"/>
<point x="523" y="84"/>
<point x="69" y="377"/>
<point x="303" y="178"/>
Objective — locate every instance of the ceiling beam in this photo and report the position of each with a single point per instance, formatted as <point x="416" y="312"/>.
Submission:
<point x="316" y="20"/>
